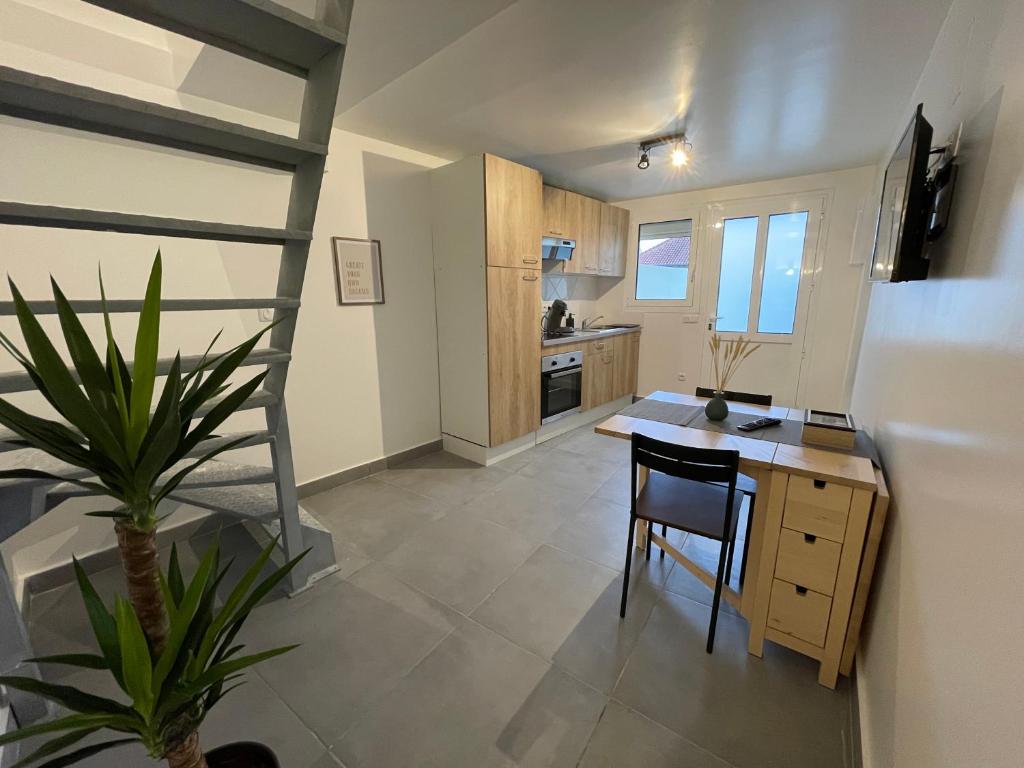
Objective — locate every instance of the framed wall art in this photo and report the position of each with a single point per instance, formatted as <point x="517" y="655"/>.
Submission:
<point x="357" y="270"/>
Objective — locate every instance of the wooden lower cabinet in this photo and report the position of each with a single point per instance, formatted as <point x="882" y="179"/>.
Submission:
<point x="610" y="369"/>
<point x="513" y="356"/>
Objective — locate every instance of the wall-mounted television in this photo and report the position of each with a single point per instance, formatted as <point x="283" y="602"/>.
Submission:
<point x="905" y="214"/>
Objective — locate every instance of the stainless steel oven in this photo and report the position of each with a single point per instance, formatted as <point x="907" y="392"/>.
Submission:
<point x="561" y="385"/>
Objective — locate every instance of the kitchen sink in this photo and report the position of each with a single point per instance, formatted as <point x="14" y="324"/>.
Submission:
<point x="613" y="326"/>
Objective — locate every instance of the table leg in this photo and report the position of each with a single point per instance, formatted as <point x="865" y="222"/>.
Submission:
<point x="754" y="546"/>
<point x="641" y="525"/>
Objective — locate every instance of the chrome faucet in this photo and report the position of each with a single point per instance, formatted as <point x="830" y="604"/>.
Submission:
<point x="590" y="321"/>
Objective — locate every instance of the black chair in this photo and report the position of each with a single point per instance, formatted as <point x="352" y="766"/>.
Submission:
<point x="737" y="397"/>
<point x="689" y="489"/>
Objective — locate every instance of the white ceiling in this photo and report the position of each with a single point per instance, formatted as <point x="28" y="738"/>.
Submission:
<point x="763" y="88"/>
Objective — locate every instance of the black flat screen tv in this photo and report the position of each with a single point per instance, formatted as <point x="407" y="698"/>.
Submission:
<point x="901" y="234"/>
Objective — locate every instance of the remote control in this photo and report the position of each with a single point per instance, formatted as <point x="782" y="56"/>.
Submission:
<point x="750" y="426"/>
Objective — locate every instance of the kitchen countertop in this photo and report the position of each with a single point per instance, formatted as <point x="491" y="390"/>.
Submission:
<point x="579" y="338"/>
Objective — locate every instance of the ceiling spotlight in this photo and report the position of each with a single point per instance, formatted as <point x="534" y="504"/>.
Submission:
<point x="679" y="157"/>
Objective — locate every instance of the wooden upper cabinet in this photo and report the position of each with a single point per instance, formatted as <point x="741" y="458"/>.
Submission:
<point x="515" y="213"/>
<point x="513" y="355"/>
<point x="614" y="240"/>
<point x="588" y="246"/>
<point x="554" y="212"/>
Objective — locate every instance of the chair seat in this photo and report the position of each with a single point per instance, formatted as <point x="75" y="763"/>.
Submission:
<point x="687" y="505"/>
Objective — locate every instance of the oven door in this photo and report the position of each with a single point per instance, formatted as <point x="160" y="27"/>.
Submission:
<point x="561" y="393"/>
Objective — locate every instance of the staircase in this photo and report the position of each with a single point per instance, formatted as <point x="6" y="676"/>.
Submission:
<point x="276" y="37"/>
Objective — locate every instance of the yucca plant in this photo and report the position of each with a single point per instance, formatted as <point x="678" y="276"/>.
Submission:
<point x="132" y="451"/>
<point x="169" y="692"/>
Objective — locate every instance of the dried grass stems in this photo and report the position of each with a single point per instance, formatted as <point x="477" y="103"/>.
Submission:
<point x="726" y="356"/>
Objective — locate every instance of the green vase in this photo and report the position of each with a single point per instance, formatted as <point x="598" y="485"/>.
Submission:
<point x="716" y="408"/>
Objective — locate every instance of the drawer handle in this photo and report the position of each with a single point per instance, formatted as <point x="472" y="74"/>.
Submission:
<point x="530" y="279"/>
<point x="529" y="261"/>
<point x="810" y="538"/>
<point x="819" y="483"/>
<point x="801" y="590"/>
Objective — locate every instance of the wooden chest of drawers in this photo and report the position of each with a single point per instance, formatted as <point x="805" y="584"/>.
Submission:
<point x="813" y="538"/>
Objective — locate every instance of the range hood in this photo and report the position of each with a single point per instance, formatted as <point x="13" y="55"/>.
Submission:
<point x="556" y="249"/>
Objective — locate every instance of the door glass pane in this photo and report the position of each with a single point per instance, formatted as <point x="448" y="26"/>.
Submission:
<point x="663" y="261"/>
<point x="739" y="241"/>
<point x="781" y="281"/>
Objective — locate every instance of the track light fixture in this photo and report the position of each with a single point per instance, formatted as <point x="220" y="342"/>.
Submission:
<point x="680" y="155"/>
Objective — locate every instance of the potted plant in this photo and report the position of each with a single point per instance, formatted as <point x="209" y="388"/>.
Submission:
<point x="166" y="646"/>
<point x="726" y="357"/>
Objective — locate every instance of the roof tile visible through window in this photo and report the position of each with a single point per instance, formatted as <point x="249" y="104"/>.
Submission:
<point x="674" y="252"/>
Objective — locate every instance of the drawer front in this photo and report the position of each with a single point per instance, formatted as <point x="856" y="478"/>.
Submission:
<point x="817" y="507"/>
<point x="802" y="614"/>
<point x="808" y="560"/>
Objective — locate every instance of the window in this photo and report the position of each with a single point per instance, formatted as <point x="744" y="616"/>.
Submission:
<point x="759" y="281"/>
<point x="663" y="261"/>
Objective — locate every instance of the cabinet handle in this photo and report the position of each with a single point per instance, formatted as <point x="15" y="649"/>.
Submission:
<point x="530" y="279"/>
<point x="530" y="261"/>
<point x="801" y="590"/>
<point x="819" y="484"/>
<point x="810" y="538"/>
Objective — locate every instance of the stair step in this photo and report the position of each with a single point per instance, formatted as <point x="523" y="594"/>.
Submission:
<point x="248" y="502"/>
<point x="56" y="102"/>
<point x="256" y="29"/>
<point x="28" y="215"/>
<point x="20" y="381"/>
<point x="115" y="306"/>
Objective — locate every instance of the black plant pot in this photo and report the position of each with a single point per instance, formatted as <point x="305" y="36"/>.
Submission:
<point x="243" y="754"/>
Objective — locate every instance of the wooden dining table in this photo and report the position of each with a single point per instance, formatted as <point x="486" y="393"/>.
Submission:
<point x="816" y="528"/>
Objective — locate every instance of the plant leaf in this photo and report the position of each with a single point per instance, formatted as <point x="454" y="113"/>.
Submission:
<point x="65" y="695"/>
<point x="136" y="663"/>
<point x="219" y="671"/>
<point x="71" y="402"/>
<point x="234" y="600"/>
<point x="115" y="365"/>
<point x="176" y="479"/>
<point x="70" y="722"/>
<point x="147" y="342"/>
<point x="86" y="360"/>
<point x="104" y="626"/>
<point x="220" y="412"/>
<point x="174" y="578"/>
<point x="55" y="745"/>
<point x="79" y="755"/>
<point x="87" y="660"/>
<point x="183" y="618"/>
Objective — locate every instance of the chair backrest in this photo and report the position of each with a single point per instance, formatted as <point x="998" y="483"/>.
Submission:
<point x="737" y="397"/>
<point x="706" y="465"/>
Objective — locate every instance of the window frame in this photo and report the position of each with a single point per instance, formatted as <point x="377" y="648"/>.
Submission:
<point x="633" y="304"/>
<point x="816" y="205"/>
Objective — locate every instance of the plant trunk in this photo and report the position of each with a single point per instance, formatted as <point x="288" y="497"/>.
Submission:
<point x="188" y="754"/>
<point x="141" y="564"/>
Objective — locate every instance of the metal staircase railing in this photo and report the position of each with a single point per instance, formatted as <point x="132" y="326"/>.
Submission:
<point x="271" y="35"/>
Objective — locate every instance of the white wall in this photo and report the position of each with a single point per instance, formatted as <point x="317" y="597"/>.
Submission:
<point x="671" y="346"/>
<point x="363" y="383"/>
<point x="939" y="383"/>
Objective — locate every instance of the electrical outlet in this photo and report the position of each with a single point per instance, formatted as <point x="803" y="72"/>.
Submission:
<point x="266" y="315"/>
<point x="681" y="377"/>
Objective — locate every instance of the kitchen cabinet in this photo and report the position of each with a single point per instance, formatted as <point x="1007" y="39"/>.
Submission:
<point x="563" y="213"/>
<point x="614" y="237"/>
<point x="627" y="363"/>
<point x="598" y="373"/>
<point x="514" y="211"/>
<point x="513" y="364"/>
<point x="487" y="217"/>
<point x="587" y="257"/>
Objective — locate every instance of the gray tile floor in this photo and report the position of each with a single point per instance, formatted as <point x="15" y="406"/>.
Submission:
<point x="474" y="623"/>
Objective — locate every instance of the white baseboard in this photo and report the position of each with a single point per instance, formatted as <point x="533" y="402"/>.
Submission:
<point x="480" y="454"/>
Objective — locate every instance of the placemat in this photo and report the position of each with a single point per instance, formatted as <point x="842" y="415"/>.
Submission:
<point x="659" y="410"/>
<point x="788" y="432"/>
